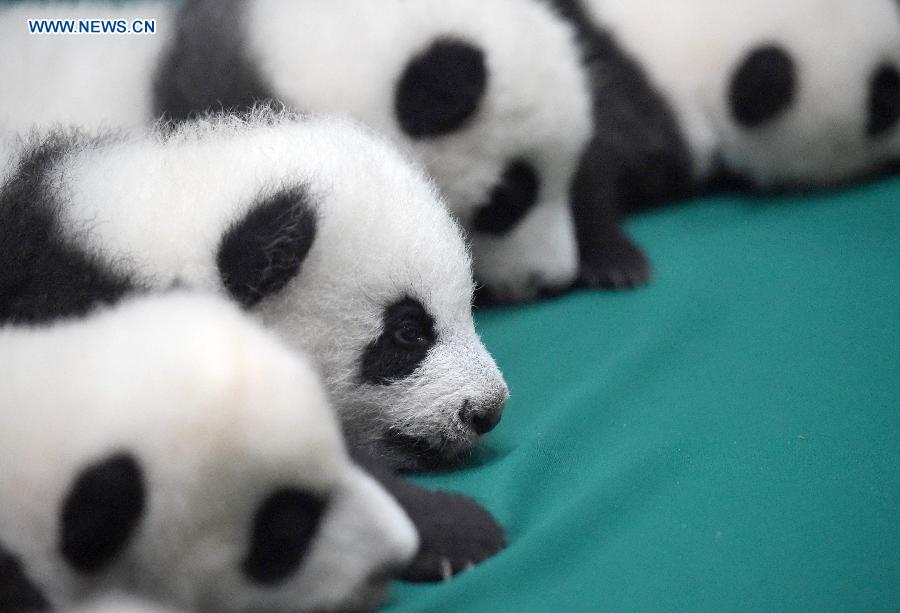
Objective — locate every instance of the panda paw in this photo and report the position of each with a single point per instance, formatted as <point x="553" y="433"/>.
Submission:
<point x="455" y="534"/>
<point x="617" y="264"/>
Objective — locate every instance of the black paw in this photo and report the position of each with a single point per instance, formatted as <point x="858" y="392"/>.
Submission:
<point x="455" y="533"/>
<point x="616" y="264"/>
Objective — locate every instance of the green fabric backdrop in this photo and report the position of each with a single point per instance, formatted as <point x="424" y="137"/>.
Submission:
<point x="727" y="439"/>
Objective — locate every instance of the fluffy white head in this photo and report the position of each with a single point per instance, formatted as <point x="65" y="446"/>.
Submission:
<point x="217" y="415"/>
<point x="836" y="47"/>
<point x="159" y="206"/>
<point x="349" y="56"/>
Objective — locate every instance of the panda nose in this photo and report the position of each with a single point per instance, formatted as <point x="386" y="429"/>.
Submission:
<point x="484" y="417"/>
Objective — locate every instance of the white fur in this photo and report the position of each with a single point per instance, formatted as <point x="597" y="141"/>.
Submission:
<point x="219" y="414"/>
<point x="90" y="80"/>
<point x="158" y="207"/>
<point x="346" y="57"/>
<point x="120" y="603"/>
<point x="690" y="49"/>
<point x="9" y="153"/>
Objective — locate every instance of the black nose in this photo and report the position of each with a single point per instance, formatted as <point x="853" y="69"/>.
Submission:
<point x="482" y="418"/>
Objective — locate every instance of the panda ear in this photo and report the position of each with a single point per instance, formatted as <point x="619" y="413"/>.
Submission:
<point x="261" y="252"/>
<point x="441" y="88"/>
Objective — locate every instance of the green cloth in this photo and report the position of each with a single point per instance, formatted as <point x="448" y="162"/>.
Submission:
<point x="727" y="439"/>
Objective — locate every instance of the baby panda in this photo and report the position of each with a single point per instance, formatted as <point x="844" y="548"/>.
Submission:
<point x="489" y="96"/>
<point x="694" y="94"/>
<point x="316" y="228"/>
<point x="322" y="231"/>
<point x="206" y="471"/>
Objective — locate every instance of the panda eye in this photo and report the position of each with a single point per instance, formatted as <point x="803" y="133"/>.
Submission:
<point x="407" y="335"/>
<point x="410" y="334"/>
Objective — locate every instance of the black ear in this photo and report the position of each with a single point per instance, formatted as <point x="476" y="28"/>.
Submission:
<point x="264" y="250"/>
<point x="441" y="88"/>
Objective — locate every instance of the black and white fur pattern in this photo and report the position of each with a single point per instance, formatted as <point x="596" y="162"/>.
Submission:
<point x="207" y="471"/>
<point x="693" y="93"/>
<point x="786" y="94"/>
<point x="322" y="231"/>
<point x="489" y="96"/>
<point x="297" y="198"/>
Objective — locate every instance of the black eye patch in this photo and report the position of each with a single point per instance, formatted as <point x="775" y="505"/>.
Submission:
<point x="440" y="90"/>
<point x="510" y="200"/>
<point x="884" y="100"/>
<point x="406" y="337"/>
<point x="763" y="86"/>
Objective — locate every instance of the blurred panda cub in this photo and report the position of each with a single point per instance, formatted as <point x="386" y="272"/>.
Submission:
<point x="207" y="472"/>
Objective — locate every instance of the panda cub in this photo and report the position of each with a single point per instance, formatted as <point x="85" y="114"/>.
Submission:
<point x="694" y="94"/>
<point x="320" y="230"/>
<point x="489" y="96"/>
<point x="206" y="472"/>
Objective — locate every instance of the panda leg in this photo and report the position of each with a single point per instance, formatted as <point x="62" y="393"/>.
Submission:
<point x="608" y="258"/>
<point x="612" y="261"/>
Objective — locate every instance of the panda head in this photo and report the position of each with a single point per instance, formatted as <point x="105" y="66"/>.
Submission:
<point x="381" y="295"/>
<point x="330" y="236"/>
<point x="807" y="107"/>
<point x="489" y="96"/>
<point x="217" y="448"/>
